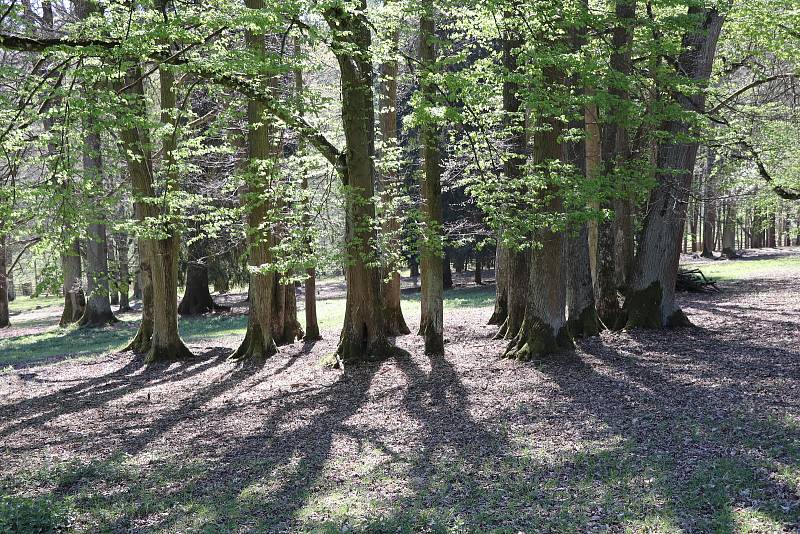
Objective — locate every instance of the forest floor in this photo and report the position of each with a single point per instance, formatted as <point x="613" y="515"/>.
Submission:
<point x="685" y="430"/>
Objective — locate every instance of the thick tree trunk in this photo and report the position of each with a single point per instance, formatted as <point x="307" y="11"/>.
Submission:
<point x="258" y="343"/>
<point x="98" y="306"/>
<point x="74" y="299"/>
<point x="389" y="187"/>
<point x="363" y="335"/>
<point x="616" y="154"/>
<point x="5" y="315"/>
<point x="431" y="247"/>
<point x="285" y="326"/>
<point x="650" y="300"/>
<point x="544" y="329"/>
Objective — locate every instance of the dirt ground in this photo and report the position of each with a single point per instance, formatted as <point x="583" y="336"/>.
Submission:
<point x="686" y="430"/>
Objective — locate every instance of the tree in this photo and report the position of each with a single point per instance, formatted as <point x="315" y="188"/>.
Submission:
<point x="4" y="310"/>
<point x="389" y="186"/>
<point x="650" y="300"/>
<point x="262" y="154"/>
<point x="363" y="334"/>
<point x="431" y="246"/>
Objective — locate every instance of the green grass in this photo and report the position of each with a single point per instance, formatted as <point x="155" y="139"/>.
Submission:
<point x="737" y="269"/>
<point x="24" y="304"/>
<point x="86" y="343"/>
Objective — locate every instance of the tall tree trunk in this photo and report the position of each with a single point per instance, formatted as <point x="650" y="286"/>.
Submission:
<point x="310" y="290"/>
<point x="98" y="306"/>
<point x="478" y="266"/>
<point x="616" y="154"/>
<point x="5" y="315"/>
<point x="258" y="343"/>
<point x="650" y="300"/>
<point x="544" y="328"/>
<point x="363" y="333"/>
<point x="709" y="201"/>
<point x="582" y="319"/>
<point x="431" y="247"/>
<point x="157" y="336"/>
<point x="516" y="262"/>
<point x="389" y="187"/>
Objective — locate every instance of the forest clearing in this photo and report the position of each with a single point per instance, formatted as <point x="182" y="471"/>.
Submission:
<point x="642" y="431"/>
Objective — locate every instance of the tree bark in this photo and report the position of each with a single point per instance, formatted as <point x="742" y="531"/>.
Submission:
<point x="616" y="154"/>
<point x="363" y="335"/>
<point x="121" y="240"/>
<point x="650" y="300"/>
<point x="98" y="306"/>
<point x="157" y="336"/>
<point x="432" y="255"/>
<point x="74" y="299"/>
<point x="197" y="298"/>
<point x="729" y="231"/>
<point x="544" y="328"/>
<point x="516" y="262"/>
<point x="500" y="313"/>
<point x="478" y="267"/>
<point x="285" y="326"/>
<point x="310" y="290"/>
<point x="258" y="343"/>
<point x="389" y="187"/>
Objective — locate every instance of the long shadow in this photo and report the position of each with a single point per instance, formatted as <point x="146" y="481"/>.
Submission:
<point x="687" y="432"/>
<point x="106" y="388"/>
<point x="276" y="466"/>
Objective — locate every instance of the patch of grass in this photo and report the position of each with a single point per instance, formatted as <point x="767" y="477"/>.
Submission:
<point x="24" y="304"/>
<point x="726" y="270"/>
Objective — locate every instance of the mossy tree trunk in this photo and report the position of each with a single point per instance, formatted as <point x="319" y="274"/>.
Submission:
<point x="363" y="335"/>
<point x="431" y="246"/>
<point x="650" y="300"/>
<point x="544" y="327"/>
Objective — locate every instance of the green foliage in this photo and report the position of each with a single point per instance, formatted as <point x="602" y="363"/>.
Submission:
<point x="31" y="516"/>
